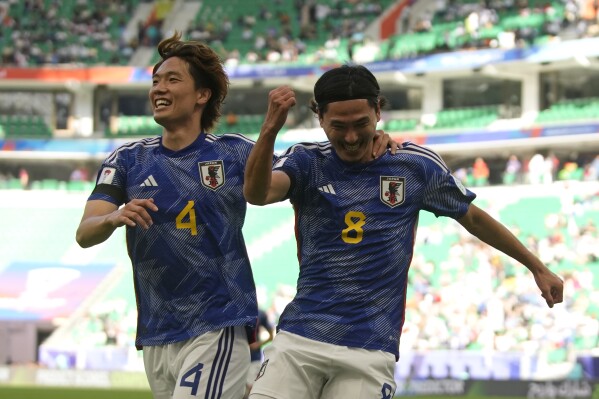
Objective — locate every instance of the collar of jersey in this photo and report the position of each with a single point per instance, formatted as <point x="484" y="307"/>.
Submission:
<point x="187" y="150"/>
<point x="352" y="165"/>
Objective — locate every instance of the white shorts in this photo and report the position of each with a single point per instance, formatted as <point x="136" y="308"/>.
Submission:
<point x="295" y="367"/>
<point x="213" y="365"/>
<point x="253" y="372"/>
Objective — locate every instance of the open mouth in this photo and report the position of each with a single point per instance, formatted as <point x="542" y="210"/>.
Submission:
<point x="161" y="103"/>
<point x="351" y="147"/>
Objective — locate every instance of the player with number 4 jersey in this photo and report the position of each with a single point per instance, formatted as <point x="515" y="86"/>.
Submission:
<point x="180" y="197"/>
<point x="196" y="239"/>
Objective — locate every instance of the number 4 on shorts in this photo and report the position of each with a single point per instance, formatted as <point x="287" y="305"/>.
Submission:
<point x="196" y="372"/>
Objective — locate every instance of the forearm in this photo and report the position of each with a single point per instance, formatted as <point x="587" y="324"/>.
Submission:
<point x="258" y="170"/>
<point x="495" y="234"/>
<point x="94" y="230"/>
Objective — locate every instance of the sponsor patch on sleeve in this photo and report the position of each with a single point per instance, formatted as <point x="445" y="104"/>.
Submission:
<point x="106" y="176"/>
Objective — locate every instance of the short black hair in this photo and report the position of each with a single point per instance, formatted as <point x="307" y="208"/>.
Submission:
<point x="347" y="82"/>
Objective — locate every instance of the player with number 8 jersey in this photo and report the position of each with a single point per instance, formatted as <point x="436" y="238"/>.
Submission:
<point x="356" y="220"/>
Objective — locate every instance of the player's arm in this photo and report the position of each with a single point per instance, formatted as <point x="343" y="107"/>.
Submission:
<point x="101" y="218"/>
<point x="487" y="229"/>
<point x="263" y="186"/>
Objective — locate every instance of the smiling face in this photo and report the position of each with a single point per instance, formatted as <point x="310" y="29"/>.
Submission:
<point x="350" y="126"/>
<point x="174" y="98"/>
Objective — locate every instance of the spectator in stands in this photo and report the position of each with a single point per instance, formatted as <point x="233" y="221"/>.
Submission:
<point x="79" y="174"/>
<point x="356" y="226"/>
<point x="24" y="178"/>
<point x="180" y="197"/>
<point x="480" y="172"/>
<point x="536" y="168"/>
<point x="595" y="167"/>
<point x="231" y="118"/>
<point x="512" y="170"/>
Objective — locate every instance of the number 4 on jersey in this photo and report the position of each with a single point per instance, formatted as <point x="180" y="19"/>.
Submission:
<point x="190" y="214"/>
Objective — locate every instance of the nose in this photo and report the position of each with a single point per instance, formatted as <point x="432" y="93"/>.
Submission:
<point x="158" y="87"/>
<point x="351" y="136"/>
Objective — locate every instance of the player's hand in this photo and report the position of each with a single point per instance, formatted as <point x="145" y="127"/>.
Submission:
<point x="551" y="286"/>
<point x="280" y="101"/>
<point x="382" y="141"/>
<point x="135" y="212"/>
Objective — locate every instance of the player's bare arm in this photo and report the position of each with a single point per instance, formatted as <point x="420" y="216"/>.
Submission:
<point x="101" y="218"/>
<point x="487" y="229"/>
<point x="261" y="185"/>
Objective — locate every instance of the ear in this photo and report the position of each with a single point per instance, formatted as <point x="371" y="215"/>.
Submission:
<point x="203" y="95"/>
<point x="378" y="112"/>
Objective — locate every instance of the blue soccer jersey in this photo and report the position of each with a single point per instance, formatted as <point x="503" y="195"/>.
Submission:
<point x="191" y="270"/>
<point x="356" y="226"/>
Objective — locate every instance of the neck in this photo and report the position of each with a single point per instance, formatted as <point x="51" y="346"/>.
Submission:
<point x="176" y="140"/>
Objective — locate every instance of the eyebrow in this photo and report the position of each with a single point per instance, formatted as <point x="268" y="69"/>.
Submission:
<point x="167" y="73"/>
<point x="361" y="120"/>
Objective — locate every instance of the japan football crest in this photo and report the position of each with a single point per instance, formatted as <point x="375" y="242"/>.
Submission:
<point x="393" y="190"/>
<point x="212" y="174"/>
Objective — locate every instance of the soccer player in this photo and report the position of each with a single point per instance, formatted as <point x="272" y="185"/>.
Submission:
<point x="356" y="221"/>
<point x="184" y="212"/>
<point x="180" y="197"/>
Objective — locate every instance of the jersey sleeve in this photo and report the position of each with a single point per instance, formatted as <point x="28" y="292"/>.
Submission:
<point x="111" y="181"/>
<point x="295" y="162"/>
<point x="445" y="195"/>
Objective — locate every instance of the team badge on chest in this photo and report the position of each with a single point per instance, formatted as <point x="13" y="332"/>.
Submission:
<point x="393" y="190"/>
<point x="212" y="174"/>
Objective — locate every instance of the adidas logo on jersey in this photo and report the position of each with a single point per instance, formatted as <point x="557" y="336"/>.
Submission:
<point x="327" y="189"/>
<point x="149" y="182"/>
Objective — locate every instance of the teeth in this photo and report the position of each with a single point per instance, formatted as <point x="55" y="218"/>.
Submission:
<point x="161" y="102"/>
<point x="352" y="147"/>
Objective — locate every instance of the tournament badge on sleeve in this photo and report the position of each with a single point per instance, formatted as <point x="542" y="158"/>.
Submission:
<point x="393" y="190"/>
<point x="212" y="174"/>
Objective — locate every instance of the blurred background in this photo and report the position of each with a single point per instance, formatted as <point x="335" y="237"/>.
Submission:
<point x="507" y="91"/>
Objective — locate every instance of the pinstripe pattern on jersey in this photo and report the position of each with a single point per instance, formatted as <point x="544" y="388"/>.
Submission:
<point x="212" y="137"/>
<point x="148" y="143"/>
<point x="354" y="250"/>
<point x="324" y="147"/>
<point x="189" y="280"/>
<point x="411" y="148"/>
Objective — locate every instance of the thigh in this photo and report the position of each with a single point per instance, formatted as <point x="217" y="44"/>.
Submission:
<point x="214" y="365"/>
<point x="361" y="374"/>
<point x="156" y="364"/>
<point x="294" y="368"/>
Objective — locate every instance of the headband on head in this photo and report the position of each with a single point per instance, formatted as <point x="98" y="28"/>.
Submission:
<point x="348" y="82"/>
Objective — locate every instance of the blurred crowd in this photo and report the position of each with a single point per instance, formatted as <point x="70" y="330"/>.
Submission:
<point x="470" y="298"/>
<point x="39" y="32"/>
<point x="540" y="168"/>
